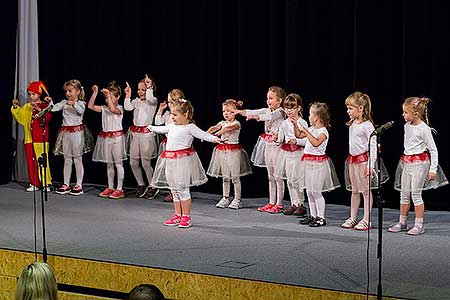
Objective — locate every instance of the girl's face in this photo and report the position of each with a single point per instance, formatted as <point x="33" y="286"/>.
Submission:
<point x="273" y="101"/>
<point x="227" y="111"/>
<point x="33" y="97"/>
<point x="355" y="112"/>
<point x="72" y="93"/>
<point x="409" y="115"/>
<point x="170" y="102"/>
<point x="313" y="119"/>
<point x="292" y="112"/>
<point x="179" y="118"/>
<point x="141" y="90"/>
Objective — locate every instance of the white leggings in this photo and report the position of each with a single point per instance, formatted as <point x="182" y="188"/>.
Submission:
<point x="180" y="194"/>
<point x="316" y="204"/>
<point x="137" y="171"/>
<point x="276" y="187"/>
<point x="120" y="174"/>
<point x="79" y="169"/>
<point x="237" y="187"/>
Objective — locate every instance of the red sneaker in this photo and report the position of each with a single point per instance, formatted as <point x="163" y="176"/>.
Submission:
<point x="185" y="222"/>
<point x="266" y="207"/>
<point x="173" y="221"/>
<point x="117" y="194"/>
<point x="106" y="192"/>
<point x="276" y="209"/>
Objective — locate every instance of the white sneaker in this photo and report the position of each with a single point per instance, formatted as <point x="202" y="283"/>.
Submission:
<point x="223" y="203"/>
<point x="32" y="188"/>
<point x="416" y="230"/>
<point x="235" y="204"/>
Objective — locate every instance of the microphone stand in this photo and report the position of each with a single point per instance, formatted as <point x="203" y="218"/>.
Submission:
<point x="43" y="161"/>
<point x="380" y="204"/>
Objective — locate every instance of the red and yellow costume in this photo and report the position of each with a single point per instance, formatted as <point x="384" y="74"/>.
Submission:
<point x="33" y="133"/>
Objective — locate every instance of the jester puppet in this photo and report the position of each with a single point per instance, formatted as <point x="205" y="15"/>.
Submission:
<point x="28" y="116"/>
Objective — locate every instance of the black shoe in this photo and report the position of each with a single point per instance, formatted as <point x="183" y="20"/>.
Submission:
<point x="318" y="222"/>
<point x="307" y="220"/>
<point x="300" y="211"/>
<point x="141" y="190"/>
<point x="151" y="193"/>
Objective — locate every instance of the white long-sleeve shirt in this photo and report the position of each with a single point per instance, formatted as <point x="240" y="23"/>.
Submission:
<point x="144" y="110"/>
<point x="321" y="149"/>
<point x="163" y="119"/>
<point x="72" y="114"/>
<point x="231" y="137"/>
<point x="272" y="119"/>
<point x="110" y="120"/>
<point x="418" y="139"/>
<point x="358" y="140"/>
<point x="181" y="136"/>
<point x="287" y="133"/>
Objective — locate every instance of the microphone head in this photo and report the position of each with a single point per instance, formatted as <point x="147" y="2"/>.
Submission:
<point x="389" y="124"/>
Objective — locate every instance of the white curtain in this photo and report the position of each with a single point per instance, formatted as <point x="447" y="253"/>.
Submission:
<point x="27" y="69"/>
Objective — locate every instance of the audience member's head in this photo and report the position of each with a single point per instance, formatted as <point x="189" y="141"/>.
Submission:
<point x="37" y="282"/>
<point x="145" y="292"/>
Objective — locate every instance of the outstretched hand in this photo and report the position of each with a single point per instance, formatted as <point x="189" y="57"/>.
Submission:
<point x="127" y="90"/>
<point x="431" y="176"/>
<point x="148" y="82"/>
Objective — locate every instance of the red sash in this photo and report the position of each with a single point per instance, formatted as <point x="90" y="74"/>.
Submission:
<point x="72" y="128"/>
<point x="139" y="129"/>
<point x="228" y="147"/>
<point x="267" y="137"/>
<point x="291" y="148"/>
<point x="415" y="157"/>
<point x="177" y="153"/>
<point x="110" y="134"/>
<point x="357" y="159"/>
<point x="312" y="157"/>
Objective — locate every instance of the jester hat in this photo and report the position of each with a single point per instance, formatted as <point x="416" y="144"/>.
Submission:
<point x="37" y="87"/>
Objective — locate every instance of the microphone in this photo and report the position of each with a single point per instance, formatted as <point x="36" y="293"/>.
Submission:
<point x="43" y="112"/>
<point x="382" y="128"/>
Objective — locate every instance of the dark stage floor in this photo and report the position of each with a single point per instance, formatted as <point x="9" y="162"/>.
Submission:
<point x="243" y="244"/>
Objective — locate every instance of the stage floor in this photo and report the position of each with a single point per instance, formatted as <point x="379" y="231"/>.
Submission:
<point x="241" y="244"/>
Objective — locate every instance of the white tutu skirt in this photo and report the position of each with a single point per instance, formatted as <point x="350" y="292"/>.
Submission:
<point x="110" y="147"/>
<point x="162" y="145"/>
<point x="178" y="169"/>
<point x="141" y="144"/>
<point x="412" y="174"/>
<point x="288" y="161"/>
<point x="73" y="141"/>
<point x="265" y="152"/>
<point x="355" y="174"/>
<point x="316" y="174"/>
<point x="229" y="161"/>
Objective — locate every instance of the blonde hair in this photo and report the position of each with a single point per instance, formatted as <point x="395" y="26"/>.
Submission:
<point x="76" y="84"/>
<point x="37" y="282"/>
<point x="175" y="95"/>
<point x="185" y="107"/>
<point x="322" y="111"/>
<point x="114" y="88"/>
<point x="279" y="92"/>
<point x="234" y="103"/>
<point x="420" y="106"/>
<point x="294" y="100"/>
<point x="360" y="99"/>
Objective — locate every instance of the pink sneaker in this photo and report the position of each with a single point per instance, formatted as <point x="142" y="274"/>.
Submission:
<point x="106" y="192"/>
<point x="185" y="222"/>
<point x="173" y="221"/>
<point x="117" y="194"/>
<point x="275" y="209"/>
<point x="266" y="207"/>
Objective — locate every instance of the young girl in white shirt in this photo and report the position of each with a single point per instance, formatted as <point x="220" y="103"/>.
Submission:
<point x="265" y="153"/>
<point x="74" y="138"/>
<point x="140" y="141"/>
<point x="291" y="150"/>
<point x="229" y="160"/>
<point x="179" y="167"/>
<point x="110" y="146"/>
<point x="317" y="173"/>
<point x="358" y="166"/>
<point x="418" y="168"/>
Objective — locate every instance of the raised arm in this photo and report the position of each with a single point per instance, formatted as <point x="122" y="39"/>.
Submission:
<point x="91" y="102"/>
<point x="113" y="107"/>
<point x="127" y="102"/>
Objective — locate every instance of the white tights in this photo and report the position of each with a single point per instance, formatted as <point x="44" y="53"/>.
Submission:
<point x="136" y="168"/>
<point x="316" y="204"/>
<point x="237" y="187"/>
<point x="276" y="188"/>
<point x="79" y="169"/>
<point x="120" y="175"/>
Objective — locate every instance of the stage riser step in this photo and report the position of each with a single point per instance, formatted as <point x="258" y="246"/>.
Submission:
<point x="81" y="279"/>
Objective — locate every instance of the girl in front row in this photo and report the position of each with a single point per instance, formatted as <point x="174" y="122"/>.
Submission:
<point x="418" y="168"/>
<point x="291" y="152"/>
<point x="316" y="173"/>
<point x="358" y="166"/>
<point x="229" y="160"/>
<point x="179" y="167"/>
<point x="265" y="153"/>
<point x="166" y="119"/>
<point x="74" y="138"/>
<point x="110" y="146"/>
